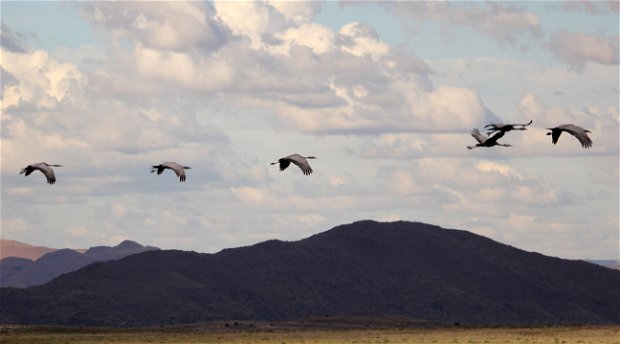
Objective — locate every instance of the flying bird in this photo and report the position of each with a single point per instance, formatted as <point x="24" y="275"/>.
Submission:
<point x="178" y="169"/>
<point x="493" y="127"/>
<point x="297" y="160"/>
<point x="44" y="167"/>
<point x="578" y="132"/>
<point x="484" y="141"/>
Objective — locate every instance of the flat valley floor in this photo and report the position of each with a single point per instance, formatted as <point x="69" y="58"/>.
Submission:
<point x="249" y="333"/>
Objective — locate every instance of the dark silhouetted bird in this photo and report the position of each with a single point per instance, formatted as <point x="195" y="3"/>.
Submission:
<point x="297" y="160"/>
<point x="578" y="132"/>
<point x="484" y="141"/>
<point x="44" y="167"/>
<point x="493" y="127"/>
<point x="178" y="169"/>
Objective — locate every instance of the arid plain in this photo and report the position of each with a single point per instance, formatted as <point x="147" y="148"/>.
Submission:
<point x="291" y="333"/>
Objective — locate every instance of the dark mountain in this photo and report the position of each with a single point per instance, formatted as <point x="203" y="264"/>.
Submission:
<point x="56" y="263"/>
<point x="11" y="265"/>
<point x="361" y="269"/>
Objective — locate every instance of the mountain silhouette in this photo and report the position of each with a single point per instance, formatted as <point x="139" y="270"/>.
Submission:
<point x="25" y="273"/>
<point x="365" y="268"/>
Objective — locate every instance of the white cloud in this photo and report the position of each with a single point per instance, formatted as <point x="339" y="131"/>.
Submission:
<point x="317" y="80"/>
<point x="159" y="25"/>
<point x="183" y="69"/>
<point x="42" y="81"/>
<point x="250" y="19"/>
<point x="362" y="40"/>
<point x="576" y="49"/>
<point x="316" y="37"/>
<point x="299" y="12"/>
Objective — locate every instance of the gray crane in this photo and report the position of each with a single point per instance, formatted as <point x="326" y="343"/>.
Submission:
<point x="493" y="127"/>
<point x="484" y="141"/>
<point x="297" y="160"/>
<point x="178" y="169"/>
<point x="580" y="133"/>
<point x="44" y="167"/>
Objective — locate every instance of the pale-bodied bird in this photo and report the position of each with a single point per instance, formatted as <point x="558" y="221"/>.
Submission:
<point x="484" y="141"/>
<point x="178" y="169"/>
<point x="493" y="127"/>
<point x="580" y="133"/>
<point x="297" y="160"/>
<point x="44" y="167"/>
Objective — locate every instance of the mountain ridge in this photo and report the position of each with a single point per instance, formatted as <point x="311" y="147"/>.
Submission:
<point x="365" y="268"/>
<point x="16" y="272"/>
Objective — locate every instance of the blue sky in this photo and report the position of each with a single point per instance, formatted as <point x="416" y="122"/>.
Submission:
<point x="383" y="93"/>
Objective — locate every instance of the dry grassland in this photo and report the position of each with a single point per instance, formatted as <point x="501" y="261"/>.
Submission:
<point x="533" y="335"/>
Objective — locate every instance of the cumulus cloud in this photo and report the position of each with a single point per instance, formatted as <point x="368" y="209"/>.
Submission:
<point x="362" y="40"/>
<point x="576" y="49"/>
<point x="299" y="12"/>
<point x="318" y="80"/>
<point x="42" y="81"/>
<point x="160" y="25"/>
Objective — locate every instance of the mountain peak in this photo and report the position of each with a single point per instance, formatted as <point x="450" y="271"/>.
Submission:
<point x="365" y="268"/>
<point x="129" y="245"/>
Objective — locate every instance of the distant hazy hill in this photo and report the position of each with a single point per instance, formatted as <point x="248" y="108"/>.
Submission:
<point x="19" y="272"/>
<point x="12" y="248"/>
<point x="361" y="269"/>
<point x="609" y="263"/>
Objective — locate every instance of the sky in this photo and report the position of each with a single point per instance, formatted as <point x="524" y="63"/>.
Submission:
<point x="384" y="94"/>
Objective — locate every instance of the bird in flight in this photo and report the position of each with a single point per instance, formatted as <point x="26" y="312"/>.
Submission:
<point x="297" y="160"/>
<point x="580" y="133"/>
<point x="484" y="141"/>
<point x="178" y="169"/>
<point x="493" y="127"/>
<point x="44" y="167"/>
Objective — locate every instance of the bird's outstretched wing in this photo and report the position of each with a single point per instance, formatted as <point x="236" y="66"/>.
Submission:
<point x="49" y="174"/>
<point x="301" y="162"/>
<point x="478" y="136"/>
<point x="178" y="170"/>
<point x="579" y="133"/>
<point x="284" y="162"/>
